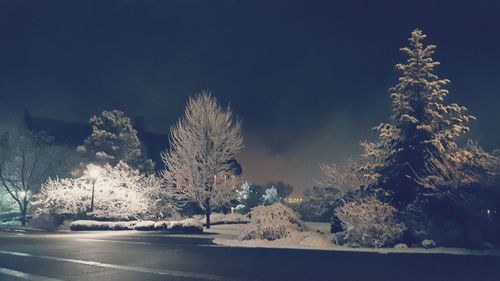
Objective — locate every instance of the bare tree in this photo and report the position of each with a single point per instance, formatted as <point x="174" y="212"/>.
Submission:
<point x="346" y="178"/>
<point x="26" y="161"/>
<point x="199" y="161"/>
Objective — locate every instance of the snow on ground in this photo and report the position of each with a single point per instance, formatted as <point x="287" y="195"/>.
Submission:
<point x="318" y="238"/>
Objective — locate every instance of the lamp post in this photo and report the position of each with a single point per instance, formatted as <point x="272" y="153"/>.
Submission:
<point x="93" y="173"/>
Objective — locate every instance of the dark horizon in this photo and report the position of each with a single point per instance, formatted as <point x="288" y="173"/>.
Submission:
<point x="308" y="80"/>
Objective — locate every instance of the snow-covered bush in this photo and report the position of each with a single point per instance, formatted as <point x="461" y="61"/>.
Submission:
<point x="161" y="225"/>
<point x="83" y="225"/>
<point x="271" y="222"/>
<point x="438" y="219"/>
<point x="217" y="218"/>
<point x="123" y="225"/>
<point x="370" y="223"/>
<point x="121" y="193"/>
<point x="186" y="226"/>
<point x="182" y="226"/>
<point x="428" y="243"/>
<point x="401" y="246"/>
<point x="145" y="225"/>
<point x="89" y="225"/>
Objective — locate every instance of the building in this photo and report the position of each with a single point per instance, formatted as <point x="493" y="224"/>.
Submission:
<point x="294" y="200"/>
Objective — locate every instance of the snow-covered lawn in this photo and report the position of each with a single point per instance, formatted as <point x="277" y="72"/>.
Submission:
<point x="317" y="237"/>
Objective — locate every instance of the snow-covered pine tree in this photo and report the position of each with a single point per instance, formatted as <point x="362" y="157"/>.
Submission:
<point x="114" y="139"/>
<point x="422" y="125"/>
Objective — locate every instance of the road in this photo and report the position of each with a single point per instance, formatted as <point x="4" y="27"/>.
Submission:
<point x="123" y="256"/>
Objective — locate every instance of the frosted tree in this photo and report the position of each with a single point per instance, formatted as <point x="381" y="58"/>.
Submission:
<point x="121" y="192"/>
<point x="27" y="160"/>
<point x="114" y="139"/>
<point x="199" y="161"/>
<point x="346" y="178"/>
<point x="422" y="124"/>
<point x="271" y="196"/>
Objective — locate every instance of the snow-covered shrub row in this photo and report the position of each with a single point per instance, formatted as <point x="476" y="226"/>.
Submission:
<point x="145" y="225"/>
<point x="271" y="223"/>
<point x="182" y="226"/>
<point x="369" y="223"/>
<point x="88" y="225"/>
<point x="121" y="193"/>
<point x="218" y="218"/>
<point x="185" y="226"/>
<point x="401" y="246"/>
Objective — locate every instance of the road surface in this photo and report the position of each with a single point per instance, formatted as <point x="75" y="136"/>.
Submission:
<point x="123" y="256"/>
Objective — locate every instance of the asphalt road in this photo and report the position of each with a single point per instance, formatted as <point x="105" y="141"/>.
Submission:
<point x="155" y="256"/>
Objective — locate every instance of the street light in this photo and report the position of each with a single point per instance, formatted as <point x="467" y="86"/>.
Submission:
<point x="93" y="173"/>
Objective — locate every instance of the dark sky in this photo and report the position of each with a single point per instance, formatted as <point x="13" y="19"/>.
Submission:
<point x="309" y="79"/>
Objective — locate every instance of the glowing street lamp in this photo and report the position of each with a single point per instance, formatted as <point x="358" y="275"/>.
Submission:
<point x="93" y="173"/>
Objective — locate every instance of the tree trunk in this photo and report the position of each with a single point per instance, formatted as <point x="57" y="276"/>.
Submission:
<point x="23" y="216"/>
<point x="207" y="213"/>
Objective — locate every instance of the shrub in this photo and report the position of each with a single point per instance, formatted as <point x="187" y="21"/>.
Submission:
<point x="123" y="225"/>
<point x="182" y="226"/>
<point x="436" y="219"/>
<point x="86" y="225"/>
<point x="271" y="222"/>
<point x="369" y="223"/>
<point x="145" y="225"/>
<point x="400" y="246"/>
<point x="217" y="218"/>
<point x="186" y="226"/>
<point x="162" y="225"/>
<point x="428" y="243"/>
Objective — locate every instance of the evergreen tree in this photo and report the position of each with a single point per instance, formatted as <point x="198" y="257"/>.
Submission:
<point x="422" y="125"/>
<point x="249" y="196"/>
<point x="114" y="139"/>
<point x="271" y="196"/>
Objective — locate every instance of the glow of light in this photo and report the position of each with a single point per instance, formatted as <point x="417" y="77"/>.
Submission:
<point x="93" y="171"/>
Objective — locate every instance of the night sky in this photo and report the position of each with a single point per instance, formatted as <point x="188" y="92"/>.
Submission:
<point x="308" y="79"/>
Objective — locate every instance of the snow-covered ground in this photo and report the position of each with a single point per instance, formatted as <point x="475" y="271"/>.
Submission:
<point x="319" y="238"/>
